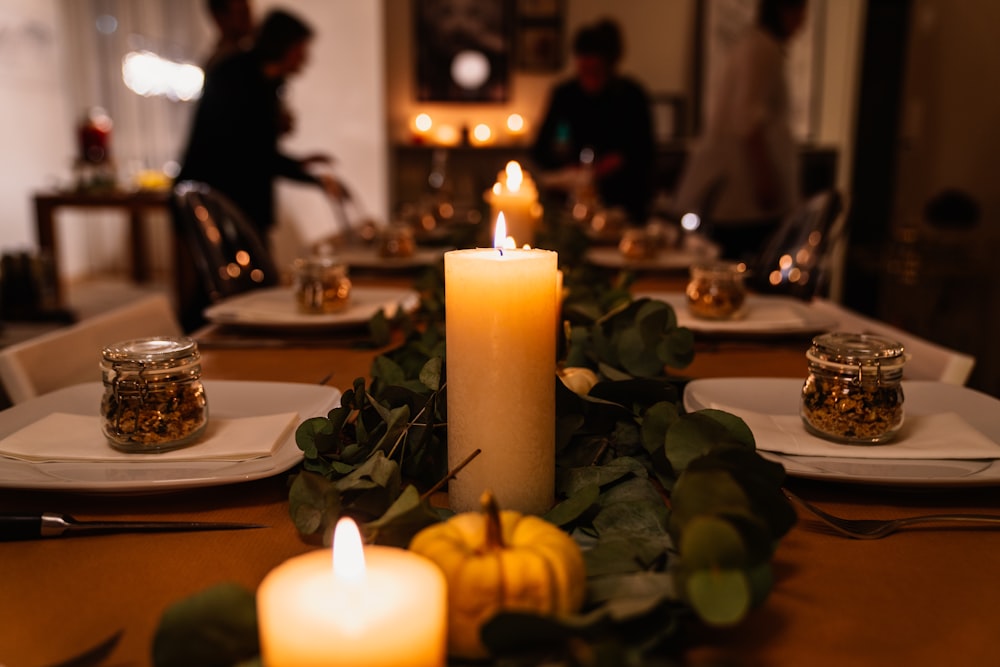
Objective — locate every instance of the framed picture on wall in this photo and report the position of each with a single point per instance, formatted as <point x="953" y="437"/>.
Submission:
<point x="463" y="50"/>
<point x="540" y="35"/>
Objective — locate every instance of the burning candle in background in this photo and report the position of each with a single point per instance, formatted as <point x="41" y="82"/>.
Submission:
<point x="482" y="135"/>
<point x="500" y="305"/>
<point x="422" y="125"/>
<point x="515" y="195"/>
<point x="366" y="607"/>
<point x="515" y="125"/>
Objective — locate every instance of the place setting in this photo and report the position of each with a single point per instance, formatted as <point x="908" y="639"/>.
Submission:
<point x="717" y="302"/>
<point x="153" y="425"/>
<point x="854" y="418"/>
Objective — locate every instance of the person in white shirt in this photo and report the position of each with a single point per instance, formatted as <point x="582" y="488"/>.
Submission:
<point x="743" y="175"/>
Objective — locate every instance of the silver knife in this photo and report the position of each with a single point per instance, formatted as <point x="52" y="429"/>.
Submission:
<point x="51" y="524"/>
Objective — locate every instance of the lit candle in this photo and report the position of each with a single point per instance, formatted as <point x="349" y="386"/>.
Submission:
<point x="371" y="607"/>
<point x="515" y="195"/>
<point x="500" y="305"/>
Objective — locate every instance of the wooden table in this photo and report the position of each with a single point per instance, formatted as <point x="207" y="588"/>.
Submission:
<point x="921" y="597"/>
<point x="136" y="204"/>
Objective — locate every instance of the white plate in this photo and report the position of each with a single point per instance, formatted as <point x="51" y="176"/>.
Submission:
<point x="275" y="308"/>
<point x="369" y="258"/>
<point x="780" y="396"/>
<point x="765" y="314"/>
<point x="226" y="399"/>
<point x="669" y="260"/>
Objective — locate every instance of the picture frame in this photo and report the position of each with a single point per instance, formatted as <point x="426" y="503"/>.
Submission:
<point x="540" y="35"/>
<point x="464" y="50"/>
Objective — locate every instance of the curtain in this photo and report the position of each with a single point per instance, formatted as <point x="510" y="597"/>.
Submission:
<point x="148" y="132"/>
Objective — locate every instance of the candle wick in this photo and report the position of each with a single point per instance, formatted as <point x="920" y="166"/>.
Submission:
<point x="501" y="251"/>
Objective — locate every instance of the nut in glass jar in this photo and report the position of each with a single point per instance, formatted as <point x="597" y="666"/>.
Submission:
<point x="321" y="284"/>
<point x="154" y="400"/>
<point x="716" y="290"/>
<point x="853" y="393"/>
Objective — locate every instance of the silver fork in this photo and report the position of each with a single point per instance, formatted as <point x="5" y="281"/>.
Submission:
<point x="873" y="529"/>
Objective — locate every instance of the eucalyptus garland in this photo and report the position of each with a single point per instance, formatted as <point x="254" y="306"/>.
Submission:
<point x="677" y="514"/>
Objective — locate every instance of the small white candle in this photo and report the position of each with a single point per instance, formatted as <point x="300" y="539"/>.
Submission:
<point x="500" y="307"/>
<point x="366" y="607"/>
<point x="515" y="195"/>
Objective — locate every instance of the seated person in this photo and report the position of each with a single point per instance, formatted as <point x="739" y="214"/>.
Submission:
<point x="601" y="121"/>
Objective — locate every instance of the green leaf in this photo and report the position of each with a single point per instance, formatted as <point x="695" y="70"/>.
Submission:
<point x="309" y="431"/>
<point x="655" y="423"/>
<point x="705" y="492"/>
<point x="712" y="542"/>
<point x="697" y="433"/>
<point x="387" y="370"/>
<point x="430" y="374"/>
<point x="379" y="329"/>
<point x="376" y="471"/>
<point x="217" y="626"/>
<point x="313" y="503"/>
<point x="624" y="553"/>
<point x="577" y="505"/>
<point x="642" y="586"/>
<point x="719" y="597"/>
<point x="577" y="478"/>
<point x="406" y="517"/>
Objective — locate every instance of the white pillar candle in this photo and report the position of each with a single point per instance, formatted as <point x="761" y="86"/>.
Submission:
<point x="385" y="608"/>
<point x="514" y="194"/>
<point x="501" y="349"/>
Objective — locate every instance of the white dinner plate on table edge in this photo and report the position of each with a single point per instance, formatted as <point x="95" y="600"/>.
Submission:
<point x="765" y="315"/>
<point x="370" y="258"/>
<point x="226" y="399"/>
<point x="781" y="396"/>
<point x="275" y="308"/>
<point x="610" y="257"/>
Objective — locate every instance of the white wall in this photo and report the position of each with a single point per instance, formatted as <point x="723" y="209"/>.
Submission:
<point x="38" y="144"/>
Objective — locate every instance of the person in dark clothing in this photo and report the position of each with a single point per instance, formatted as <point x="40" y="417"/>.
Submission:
<point x="602" y="119"/>
<point x="233" y="143"/>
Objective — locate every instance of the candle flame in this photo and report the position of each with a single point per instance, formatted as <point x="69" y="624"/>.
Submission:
<point x="500" y="238"/>
<point x="500" y="233"/>
<point x="514" y="176"/>
<point x="348" y="552"/>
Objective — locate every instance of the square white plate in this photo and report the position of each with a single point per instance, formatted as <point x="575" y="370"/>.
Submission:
<point x="226" y="399"/>
<point x="764" y="314"/>
<point x="781" y="396"/>
<point x="275" y="308"/>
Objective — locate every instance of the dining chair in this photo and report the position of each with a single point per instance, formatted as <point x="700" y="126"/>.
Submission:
<point x="228" y="255"/>
<point x="72" y="355"/>
<point x="796" y="259"/>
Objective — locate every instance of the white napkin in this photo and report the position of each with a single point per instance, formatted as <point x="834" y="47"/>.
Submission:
<point x="68" y="437"/>
<point x="938" y="436"/>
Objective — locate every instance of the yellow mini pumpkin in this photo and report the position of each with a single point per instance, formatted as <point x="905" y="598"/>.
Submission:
<point x="501" y="560"/>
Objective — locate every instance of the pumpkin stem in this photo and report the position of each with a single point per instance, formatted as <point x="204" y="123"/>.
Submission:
<point x="491" y="511"/>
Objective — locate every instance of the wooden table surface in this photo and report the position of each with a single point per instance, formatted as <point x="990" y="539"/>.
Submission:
<point x="921" y="597"/>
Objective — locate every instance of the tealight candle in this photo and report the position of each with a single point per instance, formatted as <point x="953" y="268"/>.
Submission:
<point x="366" y="607"/>
<point x="514" y="194"/>
<point x="500" y="305"/>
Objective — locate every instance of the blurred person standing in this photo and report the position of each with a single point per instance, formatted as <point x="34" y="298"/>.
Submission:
<point x="601" y="120"/>
<point x="233" y="142"/>
<point x="744" y="173"/>
<point x="234" y="21"/>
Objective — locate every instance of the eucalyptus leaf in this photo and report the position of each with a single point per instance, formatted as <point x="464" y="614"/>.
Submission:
<point x="705" y="492"/>
<point x="635" y="586"/>
<point x="719" y="597"/>
<point x="216" y="627"/>
<point x="407" y="516"/>
<point x="655" y="423"/>
<point x="697" y="433"/>
<point x="313" y="503"/>
<point x="601" y="475"/>
<point x="387" y="370"/>
<point x="430" y="374"/>
<point x="712" y="542"/>
<point x="376" y="471"/>
<point x="574" y="507"/>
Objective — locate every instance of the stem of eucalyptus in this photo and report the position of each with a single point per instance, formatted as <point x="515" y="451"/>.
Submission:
<point x="451" y="475"/>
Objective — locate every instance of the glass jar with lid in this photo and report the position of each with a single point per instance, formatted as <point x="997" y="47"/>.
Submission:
<point x="853" y="393"/>
<point x="321" y="285"/>
<point x="717" y="290"/>
<point x="154" y="400"/>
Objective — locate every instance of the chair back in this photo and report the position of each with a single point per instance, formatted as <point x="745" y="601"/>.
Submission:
<point x="796" y="258"/>
<point x="72" y="355"/>
<point x="228" y="254"/>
